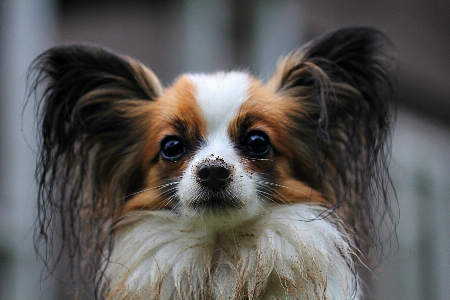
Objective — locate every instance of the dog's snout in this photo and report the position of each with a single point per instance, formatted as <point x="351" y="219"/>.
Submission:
<point x="213" y="174"/>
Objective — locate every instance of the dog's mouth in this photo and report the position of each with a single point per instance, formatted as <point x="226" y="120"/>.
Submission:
<point x="216" y="203"/>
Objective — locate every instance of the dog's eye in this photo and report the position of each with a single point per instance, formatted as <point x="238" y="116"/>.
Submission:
<point x="257" y="143"/>
<point x="172" y="148"/>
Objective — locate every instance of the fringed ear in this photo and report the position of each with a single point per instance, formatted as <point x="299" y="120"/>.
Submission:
<point x="343" y="84"/>
<point x="90" y="146"/>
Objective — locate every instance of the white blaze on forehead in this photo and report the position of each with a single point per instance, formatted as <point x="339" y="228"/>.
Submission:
<point x="220" y="96"/>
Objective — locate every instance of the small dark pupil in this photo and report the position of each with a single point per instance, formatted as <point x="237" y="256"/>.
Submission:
<point x="256" y="144"/>
<point x="173" y="148"/>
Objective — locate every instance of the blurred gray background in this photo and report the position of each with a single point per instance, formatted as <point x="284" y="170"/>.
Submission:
<point x="172" y="37"/>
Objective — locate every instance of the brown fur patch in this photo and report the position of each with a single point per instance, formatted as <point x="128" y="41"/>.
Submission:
<point x="268" y="112"/>
<point x="177" y="113"/>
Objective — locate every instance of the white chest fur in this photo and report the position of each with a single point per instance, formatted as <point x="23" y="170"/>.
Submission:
<point x="287" y="253"/>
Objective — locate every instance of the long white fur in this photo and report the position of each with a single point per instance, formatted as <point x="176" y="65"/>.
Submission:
<point x="288" y="253"/>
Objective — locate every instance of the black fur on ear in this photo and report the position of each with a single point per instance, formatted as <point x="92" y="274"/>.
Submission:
<point x="344" y="85"/>
<point x="88" y="116"/>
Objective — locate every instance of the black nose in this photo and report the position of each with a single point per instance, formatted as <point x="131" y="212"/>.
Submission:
<point x="213" y="175"/>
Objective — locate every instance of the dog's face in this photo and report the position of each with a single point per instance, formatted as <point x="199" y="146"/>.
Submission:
<point x="134" y="170"/>
<point x="218" y="148"/>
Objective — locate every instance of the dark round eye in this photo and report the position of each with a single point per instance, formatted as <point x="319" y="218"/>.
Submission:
<point x="257" y="143"/>
<point x="172" y="148"/>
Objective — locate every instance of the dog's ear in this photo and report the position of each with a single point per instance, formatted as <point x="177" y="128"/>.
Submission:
<point x="343" y="84"/>
<point x="90" y="104"/>
<point x="89" y="96"/>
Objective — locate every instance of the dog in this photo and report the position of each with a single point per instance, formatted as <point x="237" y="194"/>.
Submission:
<point x="219" y="186"/>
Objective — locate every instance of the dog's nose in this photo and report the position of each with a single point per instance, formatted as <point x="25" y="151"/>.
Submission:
<point x="213" y="175"/>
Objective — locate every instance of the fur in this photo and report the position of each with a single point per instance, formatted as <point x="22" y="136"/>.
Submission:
<point x="281" y="255"/>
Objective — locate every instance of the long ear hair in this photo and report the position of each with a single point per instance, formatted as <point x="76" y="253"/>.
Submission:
<point x="90" y="150"/>
<point x="344" y="82"/>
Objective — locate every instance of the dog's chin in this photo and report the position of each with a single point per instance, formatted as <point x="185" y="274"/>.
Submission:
<point x="218" y="213"/>
<point x="223" y="208"/>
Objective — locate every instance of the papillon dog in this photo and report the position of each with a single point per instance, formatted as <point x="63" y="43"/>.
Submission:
<point x="219" y="186"/>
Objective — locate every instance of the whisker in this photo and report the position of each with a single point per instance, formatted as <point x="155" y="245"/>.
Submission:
<point x="270" y="197"/>
<point x="158" y="187"/>
<point x="266" y="191"/>
<point x="271" y="193"/>
<point x="169" y="201"/>
<point x="267" y="184"/>
<point x="175" y="208"/>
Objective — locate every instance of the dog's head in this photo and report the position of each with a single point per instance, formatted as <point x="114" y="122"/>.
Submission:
<point x="219" y="150"/>
<point x="221" y="146"/>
